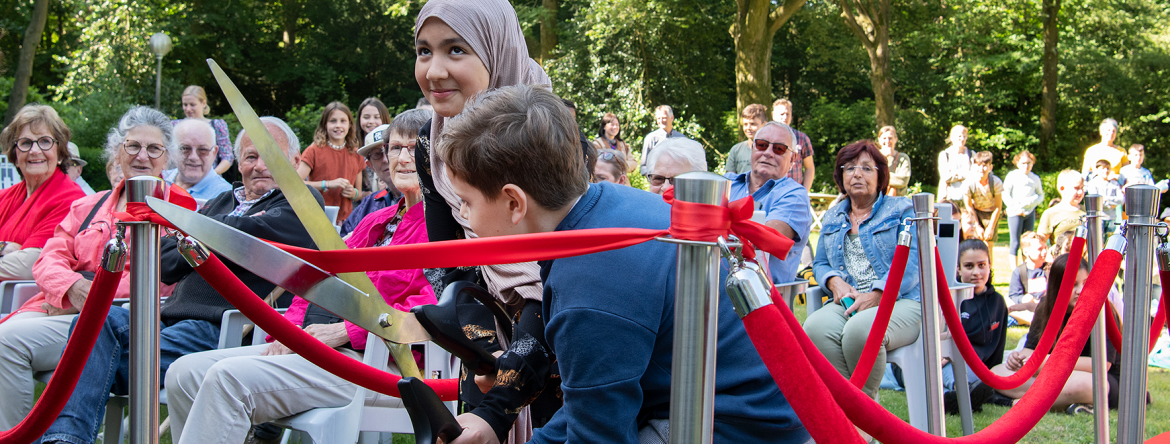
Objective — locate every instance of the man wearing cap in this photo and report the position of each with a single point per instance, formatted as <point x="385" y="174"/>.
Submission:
<point x="73" y="169"/>
<point x="196" y="171"/>
<point x="372" y="151"/>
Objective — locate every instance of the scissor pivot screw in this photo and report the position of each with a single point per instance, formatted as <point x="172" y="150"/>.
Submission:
<point x="384" y="320"/>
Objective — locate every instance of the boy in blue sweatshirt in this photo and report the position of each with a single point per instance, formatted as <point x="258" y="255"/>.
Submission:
<point x="514" y="159"/>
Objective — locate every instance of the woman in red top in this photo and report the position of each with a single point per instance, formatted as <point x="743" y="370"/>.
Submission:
<point x="331" y="164"/>
<point x="29" y="211"/>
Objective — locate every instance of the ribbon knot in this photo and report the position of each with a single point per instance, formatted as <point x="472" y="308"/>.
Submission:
<point x="706" y="223"/>
<point x="141" y="212"/>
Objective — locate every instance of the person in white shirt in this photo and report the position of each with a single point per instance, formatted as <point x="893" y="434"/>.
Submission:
<point x="1022" y="193"/>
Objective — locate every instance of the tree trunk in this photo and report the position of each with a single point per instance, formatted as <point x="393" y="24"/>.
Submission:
<point x="548" y="30"/>
<point x="1051" y="57"/>
<point x="291" y="13"/>
<point x="755" y="26"/>
<point x="24" y="65"/>
<point x="870" y="21"/>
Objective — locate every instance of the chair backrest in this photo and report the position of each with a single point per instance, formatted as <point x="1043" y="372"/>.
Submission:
<point x="947" y="239"/>
<point x="331" y="213"/>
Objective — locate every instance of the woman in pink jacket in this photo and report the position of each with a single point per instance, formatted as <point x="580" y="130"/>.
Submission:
<point x="32" y="338"/>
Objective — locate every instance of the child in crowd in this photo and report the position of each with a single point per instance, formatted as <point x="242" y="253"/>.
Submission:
<point x="985" y="319"/>
<point x="1067" y="214"/>
<point x="512" y="158"/>
<point x="1078" y="391"/>
<point x="610" y="167"/>
<point x="1135" y="174"/>
<point x="1022" y="193"/>
<point x="1029" y="280"/>
<point x="982" y="201"/>
<point x="331" y="164"/>
<point x="1104" y="183"/>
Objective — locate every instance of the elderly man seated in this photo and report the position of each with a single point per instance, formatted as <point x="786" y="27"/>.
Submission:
<point x="196" y="162"/>
<point x="784" y="200"/>
<point x="670" y="158"/>
<point x="191" y="316"/>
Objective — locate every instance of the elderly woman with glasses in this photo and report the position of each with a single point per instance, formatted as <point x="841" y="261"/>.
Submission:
<point x="31" y="339"/>
<point x="36" y="143"/>
<point x="853" y="260"/>
<point x="670" y="158"/>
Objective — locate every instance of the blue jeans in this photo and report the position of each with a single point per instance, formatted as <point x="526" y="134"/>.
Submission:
<point x="108" y="371"/>
<point x="948" y="375"/>
<point x="1017" y="225"/>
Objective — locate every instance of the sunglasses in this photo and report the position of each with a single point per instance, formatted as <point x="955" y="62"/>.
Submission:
<point x="778" y="148"/>
<point x="607" y="156"/>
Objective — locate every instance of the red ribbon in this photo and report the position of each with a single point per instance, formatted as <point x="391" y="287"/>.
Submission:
<point x="883" y="425"/>
<point x="141" y="212"/>
<point x="1047" y="339"/>
<point x="703" y="222"/>
<point x="77" y="351"/>
<point x="881" y="322"/>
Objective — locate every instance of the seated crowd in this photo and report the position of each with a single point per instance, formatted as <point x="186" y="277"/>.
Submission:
<point x="503" y="155"/>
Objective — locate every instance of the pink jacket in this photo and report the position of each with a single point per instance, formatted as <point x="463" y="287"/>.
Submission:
<point x="72" y="250"/>
<point x="401" y="289"/>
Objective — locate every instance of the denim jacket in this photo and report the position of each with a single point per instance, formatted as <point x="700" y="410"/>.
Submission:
<point x="879" y="236"/>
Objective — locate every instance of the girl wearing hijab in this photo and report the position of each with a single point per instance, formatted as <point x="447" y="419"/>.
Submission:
<point x="463" y="48"/>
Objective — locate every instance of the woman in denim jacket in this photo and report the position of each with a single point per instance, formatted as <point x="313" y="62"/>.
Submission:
<point x="853" y="261"/>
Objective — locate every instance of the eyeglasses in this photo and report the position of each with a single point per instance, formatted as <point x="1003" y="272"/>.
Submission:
<point x="396" y="150"/>
<point x="154" y="151"/>
<point x="851" y="169"/>
<point x="201" y="151"/>
<point x="658" y="180"/>
<point x="778" y="148"/>
<point x="25" y="144"/>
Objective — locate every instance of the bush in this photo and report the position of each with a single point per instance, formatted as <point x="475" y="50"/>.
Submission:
<point x="6" y="83"/>
<point x="303" y="120"/>
<point x="832" y="125"/>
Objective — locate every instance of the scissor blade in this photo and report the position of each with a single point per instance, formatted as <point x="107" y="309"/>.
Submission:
<point x="313" y="217"/>
<point x="295" y="275"/>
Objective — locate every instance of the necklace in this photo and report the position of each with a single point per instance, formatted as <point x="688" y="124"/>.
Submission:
<point x="336" y="147"/>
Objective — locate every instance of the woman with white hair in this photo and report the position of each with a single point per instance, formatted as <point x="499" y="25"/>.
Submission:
<point x="670" y="158"/>
<point x="32" y="339"/>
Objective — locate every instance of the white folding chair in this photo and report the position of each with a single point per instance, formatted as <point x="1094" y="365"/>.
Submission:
<point x="368" y="411"/>
<point x="7" y="293"/>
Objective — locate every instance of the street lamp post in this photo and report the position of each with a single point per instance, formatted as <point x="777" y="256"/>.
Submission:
<point x="160" y="45"/>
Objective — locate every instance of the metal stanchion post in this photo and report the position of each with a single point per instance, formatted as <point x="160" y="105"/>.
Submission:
<point x="1141" y="203"/>
<point x="1094" y="243"/>
<point x="696" y="320"/>
<point x="144" y="317"/>
<point x="924" y="209"/>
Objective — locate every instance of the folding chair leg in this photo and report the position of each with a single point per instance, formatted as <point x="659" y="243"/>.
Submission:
<point x="114" y="409"/>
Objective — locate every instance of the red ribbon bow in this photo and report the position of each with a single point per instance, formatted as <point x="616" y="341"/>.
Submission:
<point x="704" y="222"/>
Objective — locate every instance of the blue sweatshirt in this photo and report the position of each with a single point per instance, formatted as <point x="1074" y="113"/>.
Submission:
<point x="610" y="321"/>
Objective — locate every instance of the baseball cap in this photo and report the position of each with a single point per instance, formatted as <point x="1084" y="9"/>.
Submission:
<point x="75" y="155"/>
<point x="375" y="139"/>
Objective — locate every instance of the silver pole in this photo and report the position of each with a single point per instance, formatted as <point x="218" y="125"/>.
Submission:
<point x="924" y="208"/>
<point x="1094" y="243"/>
<point x="158" y="83"/>
<point x="1141" y="202"/>
<point x="696" y="320"/>
<point x="144" y="317"/>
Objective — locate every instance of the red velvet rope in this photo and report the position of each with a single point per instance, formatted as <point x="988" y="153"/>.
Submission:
<point x="812" y="402"/>
<point x="877" y="333"/>
<point x="345" y="367"/>
<point x="1047" y="339"/>
<point x="883" y="425"/>
<point x="77" y="350"/>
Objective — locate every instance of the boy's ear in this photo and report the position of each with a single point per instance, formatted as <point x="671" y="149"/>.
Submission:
<point x="517" y="201"/>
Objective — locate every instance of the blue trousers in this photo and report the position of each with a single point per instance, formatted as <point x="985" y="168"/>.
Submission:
<point x="1017" y="225"/>
<point x="108" y="371"/>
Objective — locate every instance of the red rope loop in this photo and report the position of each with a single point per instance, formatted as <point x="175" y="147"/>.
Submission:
<point x="881" y="322"/>
<point x="1047" y="339"/>
<point x="77" y="351"/>
<point x="886" y="427"/>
